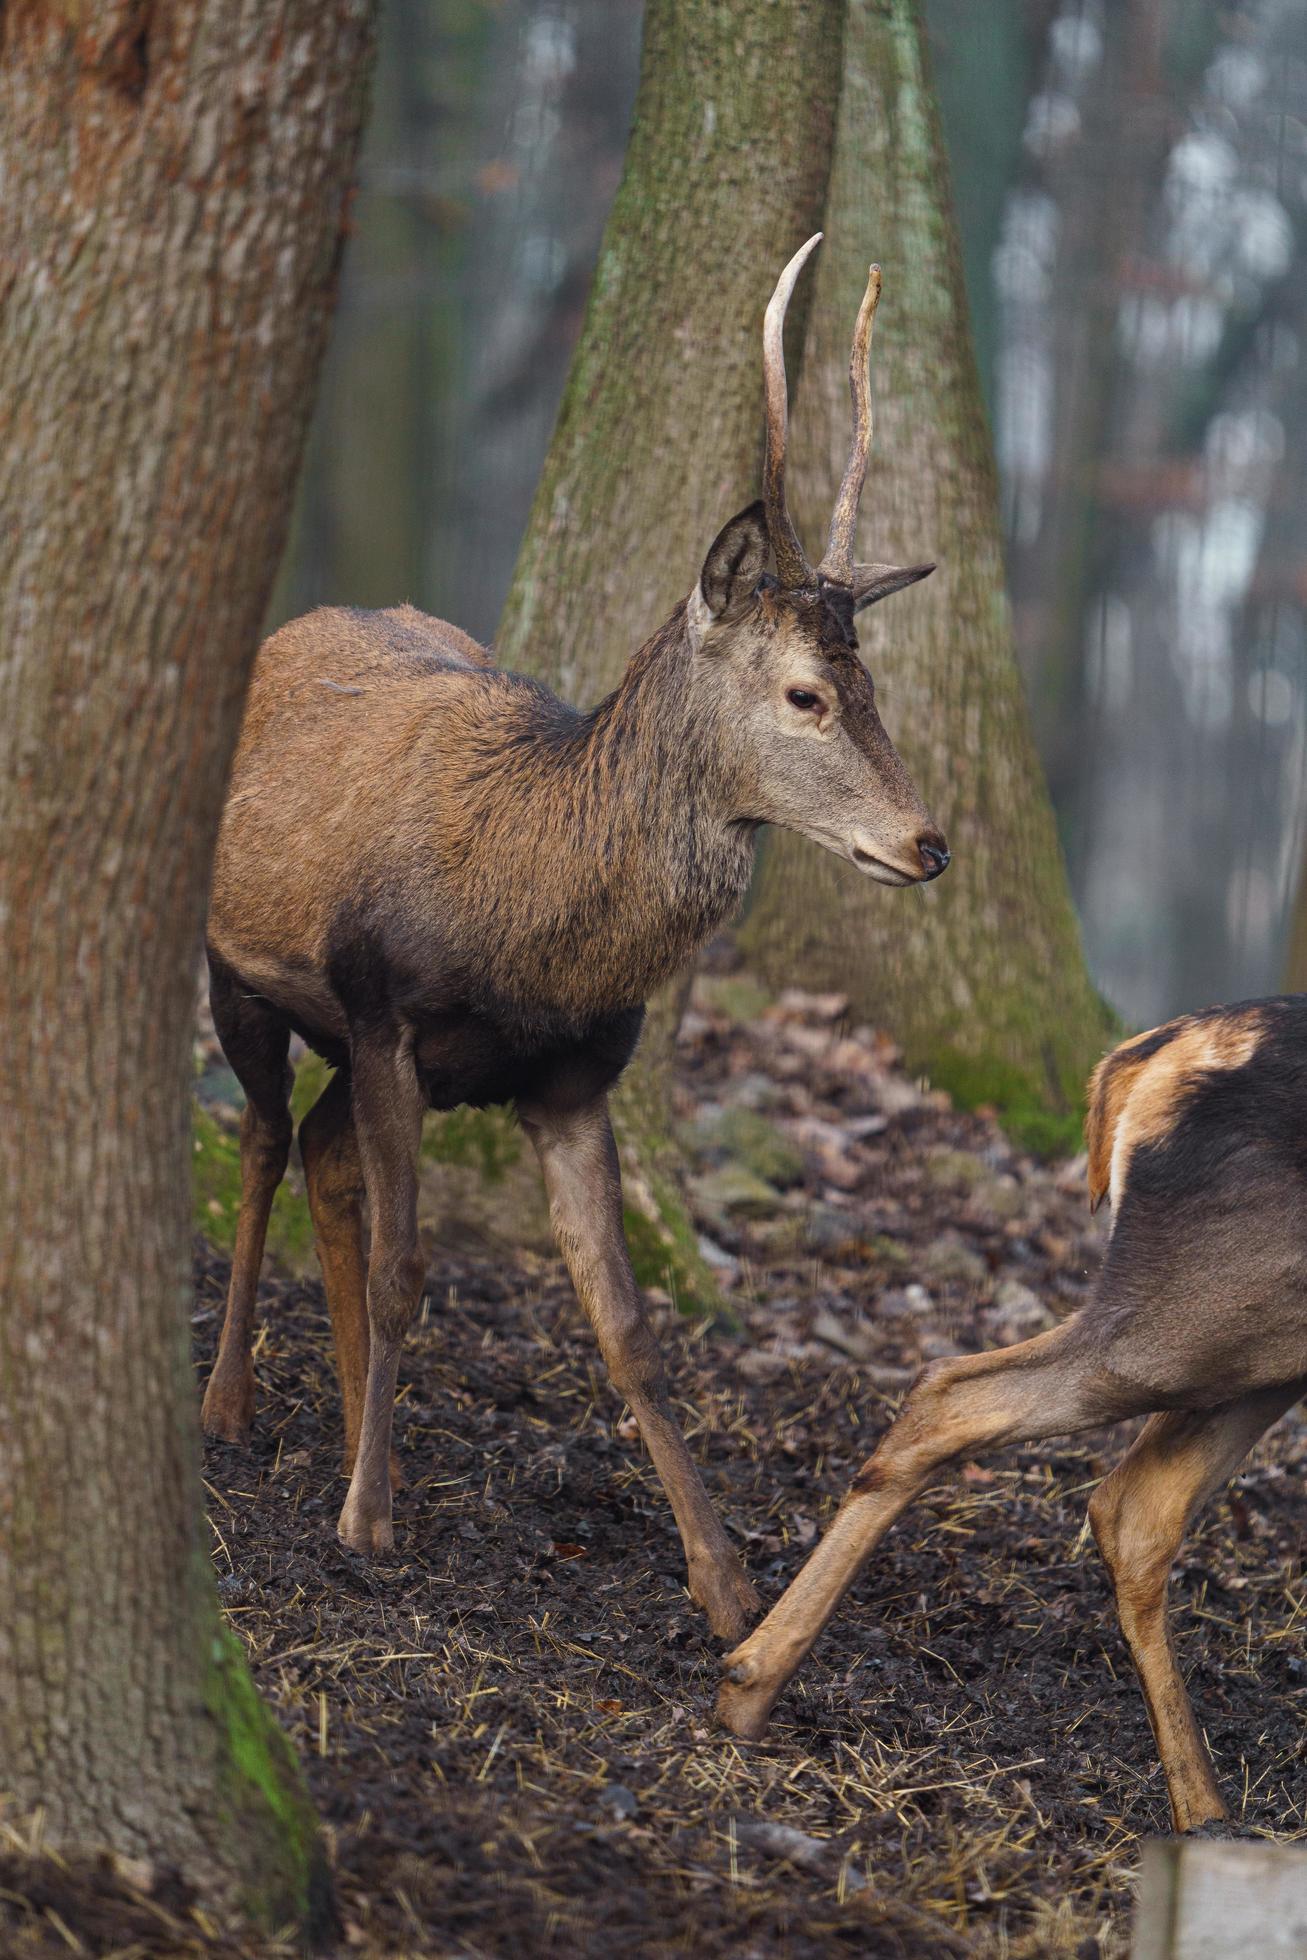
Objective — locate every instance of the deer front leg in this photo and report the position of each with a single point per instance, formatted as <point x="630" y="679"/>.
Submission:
<point x="1139" y="1514"/>
<point x="388" y="1106"/>
<point x="579" y="1159"/>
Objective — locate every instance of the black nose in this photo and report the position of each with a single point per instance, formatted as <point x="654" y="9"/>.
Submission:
<point x="935" y="857"/>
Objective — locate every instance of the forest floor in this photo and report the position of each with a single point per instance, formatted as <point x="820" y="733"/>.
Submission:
<point x="507" y="1726"/>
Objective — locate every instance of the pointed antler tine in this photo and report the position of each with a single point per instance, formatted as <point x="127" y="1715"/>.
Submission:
<point x="791" y="564"/>
<point x="837" y="565"/>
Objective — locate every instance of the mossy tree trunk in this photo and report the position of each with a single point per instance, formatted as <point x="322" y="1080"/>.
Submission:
<point x="176" y="182"/>
<point x="980" y="976"/>
<point x="658" y="440"/>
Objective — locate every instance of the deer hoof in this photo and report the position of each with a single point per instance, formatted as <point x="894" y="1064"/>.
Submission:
<point x="228" y="1411"/>
<point x="744" y="1704"/>
<point x="368" y="1536"/>
<point x="729" y="1599"/>
<point x="746" y="1696"/>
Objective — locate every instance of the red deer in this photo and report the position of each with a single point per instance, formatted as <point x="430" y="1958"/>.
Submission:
<point x="460" y="890"/>
<point x="1198" y="1320"/>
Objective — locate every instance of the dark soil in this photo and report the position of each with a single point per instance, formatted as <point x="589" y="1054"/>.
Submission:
<point x="507" y="1726"/>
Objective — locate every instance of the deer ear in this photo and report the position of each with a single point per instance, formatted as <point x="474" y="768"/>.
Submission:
<point x="872" y="582"/>
<point x="734" y="563"/>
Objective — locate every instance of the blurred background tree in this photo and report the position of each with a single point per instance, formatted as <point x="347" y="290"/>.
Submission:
<point x="1131" y="211"/>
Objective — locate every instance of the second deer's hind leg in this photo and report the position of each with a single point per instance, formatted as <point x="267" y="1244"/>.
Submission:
<point x="1050" y="1386"/>
<point x="333" y="1174"/>
<point x="256" y="1042"/>
<point x="1139" y="1514"/>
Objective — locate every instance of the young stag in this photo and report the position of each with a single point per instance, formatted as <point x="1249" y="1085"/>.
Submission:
<point x="458" y="889"/>
<point x="1199" y="1320"/>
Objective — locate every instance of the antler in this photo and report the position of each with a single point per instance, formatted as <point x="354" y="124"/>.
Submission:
<point x="837" y="565"/>
<point x="791" y="565"/>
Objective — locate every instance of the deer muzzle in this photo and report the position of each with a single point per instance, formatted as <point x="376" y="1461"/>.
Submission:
<point x="915" y="863"/>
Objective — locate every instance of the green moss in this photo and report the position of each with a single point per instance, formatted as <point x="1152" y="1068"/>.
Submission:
<point x="1020" y="1100"/>
<point x="216" y="1196"/>
<point x="651" y="1256"/>
<point x="665" y="1252"/>
<point x="485" y="1140"/>
<point x="311" y="1078"/>
<point x="761" y="1146"/>
<point x="286" y="1879"/>
<point x="737" y="995"/>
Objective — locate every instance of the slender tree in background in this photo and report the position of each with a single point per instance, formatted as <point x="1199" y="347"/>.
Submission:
<point x="659" y="437"/>
<point x="982" y="978"/>
<point x="983" y="64"/>
<point x="176" y="182"/>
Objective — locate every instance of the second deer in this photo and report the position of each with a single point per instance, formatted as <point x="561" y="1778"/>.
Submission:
<point x="1199" y="1320"/>
<point x="458" y="889"/>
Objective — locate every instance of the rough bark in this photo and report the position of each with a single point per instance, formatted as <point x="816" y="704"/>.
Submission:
<point x="659" y="435"/>
<point x="982" y="977"/>
<point x="175" y="186"/>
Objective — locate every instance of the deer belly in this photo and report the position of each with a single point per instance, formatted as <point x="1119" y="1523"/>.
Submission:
<point x="469" y="1058"/>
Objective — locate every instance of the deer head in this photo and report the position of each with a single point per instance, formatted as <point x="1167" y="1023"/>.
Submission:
<point x="777" y="655"/>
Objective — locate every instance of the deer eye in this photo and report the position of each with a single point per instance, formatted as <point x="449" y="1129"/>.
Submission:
<point x="800" y="697"/>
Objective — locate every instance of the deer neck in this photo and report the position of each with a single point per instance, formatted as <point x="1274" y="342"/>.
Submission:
<point x="647" y="860"/>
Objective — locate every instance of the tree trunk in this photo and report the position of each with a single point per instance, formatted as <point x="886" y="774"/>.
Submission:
<point x="658" y="440"/>
<point x="176" y="182"/>
<point x="981" y="977"/>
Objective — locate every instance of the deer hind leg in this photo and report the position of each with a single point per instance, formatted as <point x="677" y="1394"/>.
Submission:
<point x="579" y="1160"/>
<point x="388" y="1107"/>
<point x="1045" y="1387"/>
<point x="256" y="1043"/>
<point x="333" y="1173"/>
<point x="1139" y="1514"/>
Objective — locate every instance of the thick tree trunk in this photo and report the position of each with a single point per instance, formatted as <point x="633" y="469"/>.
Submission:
<point x="982" y="976"/>
<point x="176" y="183"/>
<point x="658" y="440"/>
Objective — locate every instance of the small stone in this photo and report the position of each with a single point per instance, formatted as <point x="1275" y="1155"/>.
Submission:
<point x="853" y="1338"/>
<point x="896" y="1095"/>
<point x="762" y="1364"/>
<point x="725" y="1270"/>
<point x="621" y="1802"/>
<point x="1021" y="1311"/>
<point x="753" y="1091"/>
<point x="1002" y="1197"/>
<point x="832" y="1233"/>
<point x="760" y="1146"/>
<point x="948" y="1260"/>
<point x="956" y="1170"/>
<point x="795" y="1003"/>
<point x="733" y="1188"/>
<point x="829" y="1147"/>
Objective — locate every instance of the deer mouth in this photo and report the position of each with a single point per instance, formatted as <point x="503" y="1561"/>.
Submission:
<point x="877" y="867"/>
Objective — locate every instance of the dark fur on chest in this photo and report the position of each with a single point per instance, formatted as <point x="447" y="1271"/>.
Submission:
<point x="462" y="1057"/>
